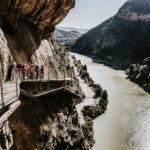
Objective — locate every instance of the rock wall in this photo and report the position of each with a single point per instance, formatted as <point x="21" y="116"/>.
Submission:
<point x="140" y="74"/>
<point x="6" y="139"/>
<point x="49" y="123"/>
<point x="27" y="27"/>
<point x="25" y="37"/>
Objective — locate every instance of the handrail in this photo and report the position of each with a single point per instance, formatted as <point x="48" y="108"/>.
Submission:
<point x="1" y="87"/>
<point x="14" y="77"/>
<point x="47" y="92"/>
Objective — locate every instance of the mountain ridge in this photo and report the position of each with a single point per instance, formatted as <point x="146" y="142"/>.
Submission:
<point x="121" y="37"/>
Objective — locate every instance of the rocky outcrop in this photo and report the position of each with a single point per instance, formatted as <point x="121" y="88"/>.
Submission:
<point x="98" y="109"/>
<point x="43" y="14"/>
<point x="122" y="39"/>
<point x="28" y="25"/>
<point x="140" y="74"/>
<point x="66" y="37"/>
<point x="49" y="122"/>
<point x="6" y="139"/>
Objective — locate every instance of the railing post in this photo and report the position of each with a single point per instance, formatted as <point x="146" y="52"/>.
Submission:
<point x="56" y="75"/>
<point x="48" y="73"/>
<point x="64" y="75"/>
<point x="16" y="73"/>
<point x="1" y="86"/>
<point x="64" y="78"/>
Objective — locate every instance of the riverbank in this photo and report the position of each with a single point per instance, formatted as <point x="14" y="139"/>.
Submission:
<point x="107" y="61"/>
<point x="93" y="105"/>
<point x="140" y="74"/>
<point x="125" y="124"/>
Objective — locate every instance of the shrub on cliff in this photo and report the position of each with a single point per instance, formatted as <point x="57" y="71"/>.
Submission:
<point x="88" y="132"/>
<point x="104" y="95"/>
<point x="140" y="74"/>
<point x="84" y="74"/>
<point x="97" y="90"/>
<point x="73" y="57"/>
<point x="91" y="111"/>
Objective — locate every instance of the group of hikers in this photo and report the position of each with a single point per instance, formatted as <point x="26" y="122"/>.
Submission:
<point x="30" y="72"/>
<point x="26" y="71"/>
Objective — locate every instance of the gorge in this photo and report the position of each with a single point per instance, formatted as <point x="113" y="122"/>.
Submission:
<point x="50" y="122"/>
<point x="122" y="39"/>
<point x="79" y="104"/>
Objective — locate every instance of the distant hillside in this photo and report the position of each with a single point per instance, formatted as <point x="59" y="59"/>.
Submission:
<point x="66" y="37"/>
<point x="80" y="30"/>
<point x="124" y="38"/>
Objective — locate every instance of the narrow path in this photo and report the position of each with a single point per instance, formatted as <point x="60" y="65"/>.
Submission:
<point x="10" y="93"/>
<point x="88" y="100"/>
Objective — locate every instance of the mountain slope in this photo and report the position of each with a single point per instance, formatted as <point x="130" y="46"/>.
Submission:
<point x="64" y="37"/>
<point x="124" y="38"/>
<point x="80" y="30"/>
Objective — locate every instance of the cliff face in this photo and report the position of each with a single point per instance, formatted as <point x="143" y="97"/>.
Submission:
<point x="140" y="74"/>
<point x="44" y="14"/>
<point x="49" y="123"/>
<point x="124" y="38"/>
<point x="28" y="25"/>
<point x="25" y="37"/>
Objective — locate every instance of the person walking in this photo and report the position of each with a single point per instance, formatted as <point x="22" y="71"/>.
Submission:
<point x="37" y="70"/>
<point x="24" y="71"/>
<point x="28" y="72"/>
<point x="42" y="72"/>
<point x="9" y="72"/>
<point x="32" y="71"/>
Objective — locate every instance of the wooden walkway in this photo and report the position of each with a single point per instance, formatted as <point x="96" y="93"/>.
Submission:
<point x="9" y="93"/>
<point x="52" y="91"/>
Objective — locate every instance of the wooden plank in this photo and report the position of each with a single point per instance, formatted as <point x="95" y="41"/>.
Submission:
<point x="9" y="93"/>
<point x="12" y="108"/>
<point x="50" y="92"/>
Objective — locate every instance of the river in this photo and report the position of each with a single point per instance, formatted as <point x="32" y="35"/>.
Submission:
<point x="126" y="123"/>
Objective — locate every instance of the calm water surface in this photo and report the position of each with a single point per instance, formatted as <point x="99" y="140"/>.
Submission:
<point x="126" y="123"/>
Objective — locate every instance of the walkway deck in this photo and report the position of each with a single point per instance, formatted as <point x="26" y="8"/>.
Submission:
<point x="9" y="93"/>
<point x="52" y="91"/>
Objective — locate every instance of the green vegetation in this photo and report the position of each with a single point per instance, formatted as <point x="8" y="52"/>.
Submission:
<point x="61" y="56"/>
<point x="140" y="74"/>
<point x="98" y="109"/>
<point x="82" y="69"/>
<point x="88" y="132"/>
<point x="100" y="96"/>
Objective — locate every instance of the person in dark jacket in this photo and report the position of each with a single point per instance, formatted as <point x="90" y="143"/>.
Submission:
<point x="37" y="70"/>
<point x="9" y="72"/>
<point x="24" y="71"/>
<point x="32" y="71"/>
<point x="42" y="72"/>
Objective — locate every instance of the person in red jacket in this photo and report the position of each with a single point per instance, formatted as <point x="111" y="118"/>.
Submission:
<point x="42" y="72"/>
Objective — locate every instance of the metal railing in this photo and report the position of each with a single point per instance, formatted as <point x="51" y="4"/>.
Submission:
<point x="1" y="87"/>
<point x="14" y="79"/>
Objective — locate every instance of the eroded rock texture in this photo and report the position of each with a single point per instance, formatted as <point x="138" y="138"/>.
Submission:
<point x="48" y="123"/>
<point x="6" y="140"/>
<point x="140" y="74"/>
<point x="27" y="23"/>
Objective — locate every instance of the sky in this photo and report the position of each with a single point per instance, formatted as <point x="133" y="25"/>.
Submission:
<point x="90" y="13"/>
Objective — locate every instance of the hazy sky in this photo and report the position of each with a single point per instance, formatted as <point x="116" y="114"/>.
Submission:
<point x="90" y="13"/>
